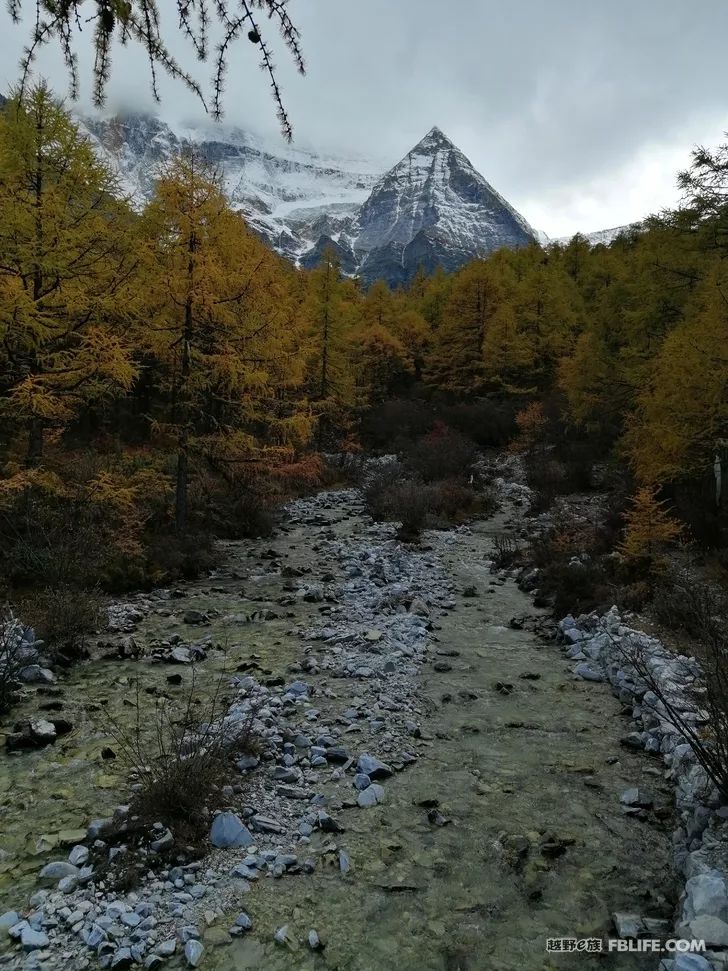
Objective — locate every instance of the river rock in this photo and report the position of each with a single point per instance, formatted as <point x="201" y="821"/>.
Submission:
<point x="242" y="924"/>
<point x="193" y="952"/>
<point x="712" y="930"/>
<point x="57" y="870"/>
<point x="228" y="830"/>
<point x="122" y="959"/>
<point x="588" y="672"/>
<point x="706" y="896"/>
<point x="371" y="766"/>
<point x="691" y="962"/>
<point x="180" y="655"/>
<point x="33" y="940"/>
<point x="163" y="842"/>
<point x="636" y="797"/>
<point x="78" y="855"/>
<point x="281" y="935"/>
<point x="628" y="926"/>
<point x="371" y="796"/>
<point x="196" y="617"/>
<point x="7" y="920"/>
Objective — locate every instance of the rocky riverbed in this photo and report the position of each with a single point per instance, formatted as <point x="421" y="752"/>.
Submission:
<point x="434" y="787"/>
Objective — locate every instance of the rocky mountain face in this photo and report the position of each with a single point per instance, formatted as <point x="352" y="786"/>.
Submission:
<point x="290" y="197"/>
<point x="432" y="209"/>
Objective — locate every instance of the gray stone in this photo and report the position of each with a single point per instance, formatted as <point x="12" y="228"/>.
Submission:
<point x="371" y="766"/>
<point x="281" y="935"/>
<point x="98" y="826"/>
<point x="314" y="941"/>
<point x="691" y="962"/>
<point x="123" y="958"/>
<point x="243" y="922"/>
<point x="706" y="896"/>
<point x="193" y="952"/>
<point x="166" y="948"/>
<point x="636" y="797"/>
<point x="164" y="842"/>
<point x="228" y="830"/>
<point x="588" y="672"/>
<point x="371" y="796"/>
<point x="78" y="855"/>
<point x="361" y="781"/>
<point x="32" y="939"/>
<point x="712" y="930"/>
<point x="43" y="730"/>
<point x="8" y="920"/>
<point x="264" y="824"/>
<point x="298" y="688"/>
<point x="57" y="870"/>
<point x="628" y="925"/>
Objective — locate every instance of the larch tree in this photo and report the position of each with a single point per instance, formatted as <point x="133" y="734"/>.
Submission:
<point x="457" y="362"/>
<point x="207" y="27"/>
<point x="330" y="379"/>
<point x="220" y="329"/>
<point x="681" y="412"/>
<point x="67" y="269"/>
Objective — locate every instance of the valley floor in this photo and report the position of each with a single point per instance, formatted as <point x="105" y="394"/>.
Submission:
<point x="500" y="826"/>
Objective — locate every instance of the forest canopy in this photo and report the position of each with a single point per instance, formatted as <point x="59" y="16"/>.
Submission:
<point x="164" y="373"/>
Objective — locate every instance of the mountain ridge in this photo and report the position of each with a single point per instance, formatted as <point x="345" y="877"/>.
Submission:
<point x="432" y="208"/>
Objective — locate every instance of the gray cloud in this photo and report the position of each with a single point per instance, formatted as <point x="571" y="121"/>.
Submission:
<point x="579" y="113"/>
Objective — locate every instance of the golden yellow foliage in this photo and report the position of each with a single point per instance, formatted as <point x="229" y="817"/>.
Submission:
<point x="649" y="527"/>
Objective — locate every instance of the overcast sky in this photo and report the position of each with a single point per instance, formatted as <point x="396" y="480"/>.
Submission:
<point x="579" y="112"/>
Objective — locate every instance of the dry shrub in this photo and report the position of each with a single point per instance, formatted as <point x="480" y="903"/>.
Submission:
<point x="377" y="490"/>
<point x="451" y="499"/>
<point x="11" y="661"/>
<point x="442" y="454"/>
<point x="63" y="616"/>
<point x="506" y="552"/>
<point x="703" y="722"/>
<point x="179" y="759"/>
<point x="409" y="503"/>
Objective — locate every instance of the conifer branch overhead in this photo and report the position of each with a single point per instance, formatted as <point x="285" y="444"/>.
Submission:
<point x="56" y="21"/>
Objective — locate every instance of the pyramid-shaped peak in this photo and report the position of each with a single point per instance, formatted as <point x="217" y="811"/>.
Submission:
<point x="434" y="139"/>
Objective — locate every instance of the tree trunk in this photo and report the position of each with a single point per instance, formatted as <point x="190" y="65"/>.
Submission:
<point x="35" y="443"/>
<point x="180" y="494"/>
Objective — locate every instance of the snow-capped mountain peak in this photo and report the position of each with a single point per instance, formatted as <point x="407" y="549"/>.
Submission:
<point x="431" y="209"/>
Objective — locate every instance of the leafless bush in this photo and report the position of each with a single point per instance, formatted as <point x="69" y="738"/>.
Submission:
<point x="64" y="615"/>
<point x="442" y="454"/>
<point x="10" y="661"/>
<point x="179" y="761"/>
<point x="344" y="467"/>
<point x="506" y="553"/>
<point x="693" y="700"/>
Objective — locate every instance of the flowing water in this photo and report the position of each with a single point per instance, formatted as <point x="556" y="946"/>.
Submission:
<point x="535" y="846"/>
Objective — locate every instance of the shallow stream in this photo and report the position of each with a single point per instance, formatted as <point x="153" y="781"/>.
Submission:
<point x="522" y="760"/>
